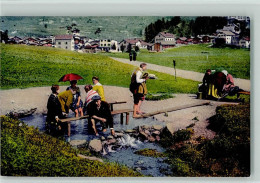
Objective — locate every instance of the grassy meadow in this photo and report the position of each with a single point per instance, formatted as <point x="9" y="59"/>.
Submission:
<point x="190" y="57"/>
<point x="30" y="66"/>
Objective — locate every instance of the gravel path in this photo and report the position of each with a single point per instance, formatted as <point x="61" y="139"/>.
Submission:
<point x="18" y="99"/>
<point x="196" y="76"/>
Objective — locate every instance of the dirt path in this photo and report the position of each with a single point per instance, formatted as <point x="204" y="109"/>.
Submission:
<point x="196" y="76"/>
<point x="18" y="99"/>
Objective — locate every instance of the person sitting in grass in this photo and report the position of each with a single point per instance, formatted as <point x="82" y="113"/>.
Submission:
<point x="54" y="109"/>
<point x="207" y="80"/>
<point x="98" y="87"/>
<point x="90" y="93"/>
<point x="77" y="103"/>
<point x="66" y="99"/>
<point x="229" y="87"/>
<point x="99" y="111"/>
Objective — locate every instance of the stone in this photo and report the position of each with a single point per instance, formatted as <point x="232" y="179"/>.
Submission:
<point x="95" y="145"/>
<point x="21" y="113"/>
<point x="157" y="138"/>
<point x="129" y="131"/>
<point x="90" y="158"/>
<point x="110" y="137"/>
<point x="156" y="132"/>
<point x="147" y="132"/>
<point x="140" y="162"/>
<point x="119" y="134"/>
<point x="111" y="141"/>
<point x="157" y="127"/>
<point x="138" y="169"/>
<point x="77" y="142"/>
<point x="171" y="127"/>
<point x="146" y="127"/>
<point x="143" y="135"/>
<point x="151" y="139"/>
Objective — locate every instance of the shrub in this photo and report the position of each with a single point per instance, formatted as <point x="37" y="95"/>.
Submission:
<point x="27" y="152"/>
<point x="149" y="153"/>
<point x="228" y="154"/>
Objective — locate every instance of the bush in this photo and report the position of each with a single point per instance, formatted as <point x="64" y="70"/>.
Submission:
<point x="158" y="97"/>
<point x="149" y="153"/>
<point x="27" y="152"/>
<point x="228" y="154"/>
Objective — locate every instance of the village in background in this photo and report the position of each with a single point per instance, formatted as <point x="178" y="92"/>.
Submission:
<point x="231" y="31"/>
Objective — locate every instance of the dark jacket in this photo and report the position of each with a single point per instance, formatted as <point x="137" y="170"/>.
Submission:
<point x="54" y="108"/>
<point x="207" y="79"/>
<point x="103" y="112"/>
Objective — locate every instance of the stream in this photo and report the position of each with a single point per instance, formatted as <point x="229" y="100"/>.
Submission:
<point x="149" y="166"/>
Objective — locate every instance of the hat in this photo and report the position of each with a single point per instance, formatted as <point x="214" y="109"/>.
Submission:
<point x="96" y="97"/>
<point x="225" y="72"/>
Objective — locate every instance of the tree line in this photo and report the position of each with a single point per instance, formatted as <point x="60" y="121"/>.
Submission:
<point x="181" y="26"/>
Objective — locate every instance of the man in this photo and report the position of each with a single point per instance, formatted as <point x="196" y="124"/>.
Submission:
<point x="99" y="111"/>
<point x="138" y="88"/>
<point x="98" y="87"/>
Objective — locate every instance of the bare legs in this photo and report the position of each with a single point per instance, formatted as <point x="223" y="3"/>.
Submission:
<point x="78" y="111"/>
<point x="137" y="109"/>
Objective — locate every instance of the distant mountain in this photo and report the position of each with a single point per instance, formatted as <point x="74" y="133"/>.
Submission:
<point x="117" y="27"/>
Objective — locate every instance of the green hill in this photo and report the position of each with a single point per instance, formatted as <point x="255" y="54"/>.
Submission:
<point x="29" y="66"/>
<point x="117" y="27"/>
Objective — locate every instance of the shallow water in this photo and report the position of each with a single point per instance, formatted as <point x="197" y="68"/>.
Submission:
<point x="125" y="154"/>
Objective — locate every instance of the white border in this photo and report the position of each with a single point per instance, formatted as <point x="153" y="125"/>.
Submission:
<point x="249" y="8"/>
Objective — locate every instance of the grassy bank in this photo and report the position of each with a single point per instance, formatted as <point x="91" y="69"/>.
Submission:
<point x="228" y="154"/>
<point x="191" y="57"/>
<point x="30" y="66"/>
<point x="27" y="152"/>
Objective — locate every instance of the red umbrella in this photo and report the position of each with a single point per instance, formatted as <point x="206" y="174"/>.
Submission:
<point x="70" y="77"/>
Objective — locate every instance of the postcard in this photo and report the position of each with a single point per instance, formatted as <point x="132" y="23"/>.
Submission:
<point x="125" y="96"/>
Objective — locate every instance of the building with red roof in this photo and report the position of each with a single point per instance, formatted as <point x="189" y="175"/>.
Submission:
<point x="64" y="41"/>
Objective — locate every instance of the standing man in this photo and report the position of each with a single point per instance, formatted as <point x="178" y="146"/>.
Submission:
<point x="99" y="111"/>
<point x="138" y="88"/>
<point x="98" y="87"/>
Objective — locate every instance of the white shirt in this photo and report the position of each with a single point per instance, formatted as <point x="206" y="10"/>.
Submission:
<point x="138" y="77"/>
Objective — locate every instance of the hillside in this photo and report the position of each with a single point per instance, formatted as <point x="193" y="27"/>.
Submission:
<point x="29" y="66"/>
<point x="117" y="28"/>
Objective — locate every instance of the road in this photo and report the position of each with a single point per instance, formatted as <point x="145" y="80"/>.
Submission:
<point x="196" y="76"/>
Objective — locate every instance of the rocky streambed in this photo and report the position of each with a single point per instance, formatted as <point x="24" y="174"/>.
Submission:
<point x="121" y="148"/>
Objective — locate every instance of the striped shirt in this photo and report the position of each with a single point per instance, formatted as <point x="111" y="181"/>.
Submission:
<point x="89" y="96"/>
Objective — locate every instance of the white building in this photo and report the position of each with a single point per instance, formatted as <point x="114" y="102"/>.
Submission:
<point x="229" y="37"/>
<point x="64" y="42"/>
<point x="107" y="44"/>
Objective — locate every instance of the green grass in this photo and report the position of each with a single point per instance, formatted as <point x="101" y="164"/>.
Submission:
<point x="235" y="61"/>
<point x="27" y="152"/>
<point x="226" y="155"/>
<point x="29" y="66"/>
<point x="153" y="97"/>
<point x="149" y="153"/>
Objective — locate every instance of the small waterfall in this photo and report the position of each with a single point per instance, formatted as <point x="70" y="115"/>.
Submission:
<point x="129" y="141"/>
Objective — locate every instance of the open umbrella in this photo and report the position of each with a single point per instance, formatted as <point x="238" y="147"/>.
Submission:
<point x="70" y="77"/>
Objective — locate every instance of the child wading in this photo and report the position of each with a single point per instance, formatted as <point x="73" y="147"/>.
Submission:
<point x="77" y="103"/>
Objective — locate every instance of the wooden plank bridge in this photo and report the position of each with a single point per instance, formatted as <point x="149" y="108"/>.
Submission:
<point x="127" y="111"/>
